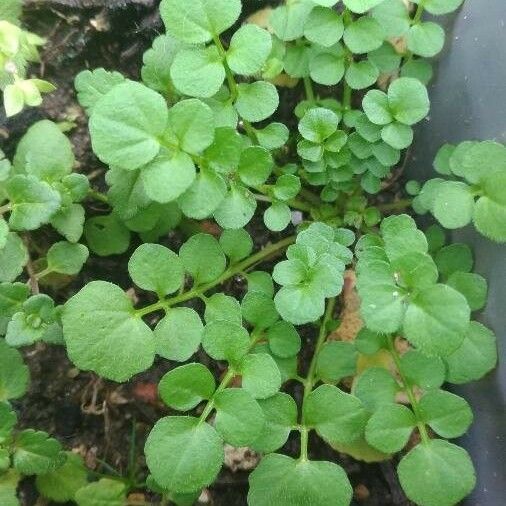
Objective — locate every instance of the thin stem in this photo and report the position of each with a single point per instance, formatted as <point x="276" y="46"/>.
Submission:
<point x="395" y="206"/>
<point x="408" y="388"/>
<point x="210" y="403"/>
<point x="310" y="378"/>
<point x="230" y="272"/>
<point x="43" y="273"/>
<point x="419" y="12"/>
<point x="96" y="195"/>
<point x="295" y="203"/>
<point x="308" y="87"/>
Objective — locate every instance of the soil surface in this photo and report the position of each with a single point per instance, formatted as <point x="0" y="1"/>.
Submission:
<point x="106" y="422"/>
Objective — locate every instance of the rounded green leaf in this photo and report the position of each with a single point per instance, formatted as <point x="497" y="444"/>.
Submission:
<point x="183" y="454"/>
<point x="260" y="375"/>
<point x="476" y="356"/>
<point x="203" y="258"/>
<point x="256" y="101"/>
<point x="125" y="125"/>
<point x="280" y="412"/>
<point x="67" y="258"/>
<point x="397" y="135"/>
<point x="273" y="136"/>
<point x="13" y="257"/>
<point x="447" y="414"/>
<point x="390" y="427"/>
<point x="439" y="7"/>
<point x="426" y="372"/>
<point x="225" y="340"/>
<point x="436" y="320"/>
<point x="300" y="304"/>
<point x="277" y="217"/>
<point x="287" y="187"/>
<point x="376" y="388"/>
<point x="453" y="204"/>
<point x="255" y="165"/>
<point x="178" y="335"/>
<point x="326" y="67"/>
<point x="8" y="420"/>
<point x="284" y="340"/>
<point x="186" y="386"/>
<point x="288" y="21"/>
<point x="415" y="270"/>
<point x="324" y="27"/>
<point x="198" y="72"/>
<point x="105" y="491"/>
<point x="103" y="333"/>
<point x="14" y="374"/>
<point x="336" y="416"/>
<point x="62" y="484"/>
<point x="454" y="258"/>
<point x="472" y="286"/>
<point x="223" y="307"/>
<point x="489" y="219"/>
<point x="408" y="100"/>
<point x="318" y="124"/>
<point x="259" y="310"/>
<point x="239" y="418"/>
<point x="282" y="480"/>
<point x="361" y="74"/>
<point x="426" y="39"/>
<point x="364" y="35"/>
<point x="249" y="48"/>
<point x="36" y="453"/>
<point x="335" y="361"/>
<point x="377" y="108"/>
<point x="199" y="21"/>
<point x="156" y="268"/>
<point x="445" y="466"/>
<point x="236" y="244"/>
<point x="106" y="235"/>
<point x="393" y="16"/>
<point x="361" y="6"/>
<point x="237" y="208"/>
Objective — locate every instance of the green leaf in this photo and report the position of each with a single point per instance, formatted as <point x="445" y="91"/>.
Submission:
<point x="376" y="388"/>
<point x="361" y="6"/>
<point x="426" y="39"/>
<point x="420" y="69"/>
<point x="260" y="281"/>
<point x="336" y="416"/>
<point x="8" y="420"/>
<point x="156" y="268"/>
<point x="426" y="372"/>
<point x="288" y="21"/>
<point x="280" y="412"/>
<point x="183" y="454"/>
<point x="385" y="57"/>
<point x="11" y="11"/>
<point x="454" y="258"/>
<point x="203" y="258"/>
<point x="408" y="100"/>
<point x="489" y="218"/>
<point x="287" y="187"/>
<point x="476" y="356"/>
<point x="363" y="35"/>
<point x="284" y="341"/>
<point x="260" y="375"/>
<point x="415" y="270"/>
<point x="397" y="135"/>
<point x="14" y="374"/>
<point x="67" y="258"/>
<point x="324" y="27"/>
<point x="103" y="333"/>
<point x="277" y="217"/>
<point x="236" y="244"/>
<point x="106" y="235"/>
<point x="186" y="386"/>
<point x="445" y="466"/>
<point x="237" y="208"/>
<point x="239" y="418"/>
<point x="273" y="136"/>
<point x="92" y="85"/>
<point x="13" y="257"/>
<point x="390" y="427"/>
<point x="178" y="335"/>
<point x="33" y="202"/>
<point x="318" y="124"/>
<point x="62" y="484"/>
<point x="368" y="342"/>
<point x="436" y="320"/>
<point x="362" y="74"/>
<point x="249" y="49"/>
<point x="36" y="453"/>
<point x="336" y="360"/>
<point x="300" y="304"/>
<point x="198" y="72"/>
<point x="325" y="67"/>
<point x="224" y="153"/>
<point x="438" y="7"/>
<point x="157" y="63"/>
<point x="377" y="108"/>
<point x="393" y="16"/>
<point x="256" y="101"/>
<point x="222" y="307"/>
<point x="201" y="21"/>
<point x="104" y="491"/>
<point x="472" y="286"/>
<point x="255" y="165"/>
<point x="225" y="340"/>
<point x="282" y="480"/>
<point x="453" y="204"/>
<point x="12" y="297"/>
<point x="126" y="124"/>
<point x="259" y="310"/>
<point x="8" y="488"/>
<point x="447" y="414"/>
<point x="44" y="152"/>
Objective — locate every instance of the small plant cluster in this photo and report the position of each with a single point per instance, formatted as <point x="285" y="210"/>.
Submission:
<point x="17" y="49"/>
<point x="197" y="140"/>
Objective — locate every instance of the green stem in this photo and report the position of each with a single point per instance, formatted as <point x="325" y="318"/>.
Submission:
<point x="310" y="378"/>
<point x="294" y="203"/>
<point x="419" y="12"/>
<point x="308" y="87"/>
<point x="230" y="272"/>
<point x="408" y="388"/>
<point x="395" y="206"/>
<point x="96" y="195"/>
<point x="210" y="403"/>
<point x="43" y="273"/>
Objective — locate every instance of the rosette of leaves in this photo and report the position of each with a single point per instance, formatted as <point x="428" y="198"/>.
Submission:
<point x="471" y="189"/>
<point x="312" y="272"/>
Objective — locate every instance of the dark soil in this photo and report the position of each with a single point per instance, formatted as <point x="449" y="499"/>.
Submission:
<point x="106" y="422"/>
